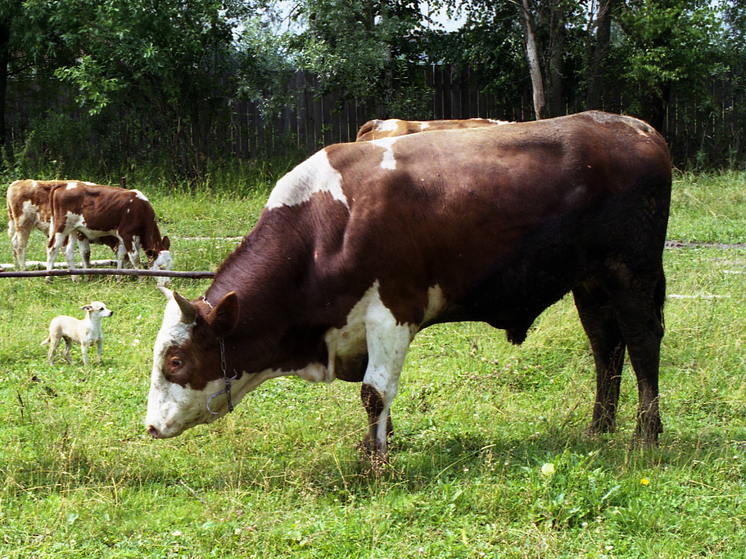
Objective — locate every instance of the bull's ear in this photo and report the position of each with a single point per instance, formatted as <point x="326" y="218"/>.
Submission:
<point x="224" y="317"/>
<point x="188" y="310"/>
<point x="166" y="243"/>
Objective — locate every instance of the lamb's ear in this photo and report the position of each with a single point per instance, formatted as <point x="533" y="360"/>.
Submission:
<point x="224" y="317"/>
<point x="166" y="243"/>
<point x="86" y="308"/>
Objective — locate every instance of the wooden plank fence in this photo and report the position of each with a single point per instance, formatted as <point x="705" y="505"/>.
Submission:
<point x="313" y="121"/>
<point x="310" y="120"/>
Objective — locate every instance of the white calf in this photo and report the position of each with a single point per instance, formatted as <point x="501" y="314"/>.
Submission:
<point x="86" y="332"/>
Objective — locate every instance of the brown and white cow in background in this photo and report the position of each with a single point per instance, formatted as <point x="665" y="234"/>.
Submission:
<point x="99" y="213"/>
<point x="378" y="129"/>
<point x="365" y="244"/>
<point x="29" y="208"/>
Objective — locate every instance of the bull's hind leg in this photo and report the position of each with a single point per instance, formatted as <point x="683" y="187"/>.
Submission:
<point x="387" y="343"/>
<point x="640" y="313"/>
<point x="599" y="320"/>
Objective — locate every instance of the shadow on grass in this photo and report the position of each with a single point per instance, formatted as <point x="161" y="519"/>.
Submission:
<point x="339" y="469"/>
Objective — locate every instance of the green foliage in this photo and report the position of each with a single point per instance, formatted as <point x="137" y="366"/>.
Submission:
<point x="666" y="43"/>
<point x="367" y="49"/>
<point x="165" y="60"/>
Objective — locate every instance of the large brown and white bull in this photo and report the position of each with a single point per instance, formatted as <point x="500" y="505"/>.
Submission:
<point x="101" y="213"/>
<point x="379" y="129"/>
<point x="365" y="244"/>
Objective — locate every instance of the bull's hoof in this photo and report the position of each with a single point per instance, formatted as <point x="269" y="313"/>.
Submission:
<point x="368" y="452"/>
<point x="599" y="427"/>
<point x="645" y="440"/>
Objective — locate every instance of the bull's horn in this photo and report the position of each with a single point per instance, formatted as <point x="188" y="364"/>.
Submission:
<point x="188" y="310"/>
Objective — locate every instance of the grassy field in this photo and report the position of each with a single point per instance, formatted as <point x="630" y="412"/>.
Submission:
<point x="488" y="460"/>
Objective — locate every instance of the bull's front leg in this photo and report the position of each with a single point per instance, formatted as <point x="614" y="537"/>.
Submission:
<point x="388" y="343"/>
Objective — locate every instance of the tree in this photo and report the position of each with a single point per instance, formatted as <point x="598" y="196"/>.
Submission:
<point x="600" y="17"/>
<point x="169" y="60"/>
<point x="662" y="44"/>
<point x="29" y="46"/>
<point x="360" y="47"/>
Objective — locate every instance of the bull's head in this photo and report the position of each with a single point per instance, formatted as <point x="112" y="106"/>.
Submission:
<point x="187" y="365"/>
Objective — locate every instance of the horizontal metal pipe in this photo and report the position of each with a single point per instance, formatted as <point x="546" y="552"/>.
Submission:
<point x="108" y="272"/>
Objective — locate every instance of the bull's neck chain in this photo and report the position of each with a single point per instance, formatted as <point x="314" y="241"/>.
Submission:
<point x="224" y="368"/>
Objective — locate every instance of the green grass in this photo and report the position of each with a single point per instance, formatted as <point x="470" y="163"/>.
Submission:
<point x="709" y="208"/>
<point x="476" y="419"/>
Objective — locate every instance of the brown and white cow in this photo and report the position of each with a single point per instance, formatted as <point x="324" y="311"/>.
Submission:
<point x="99" y="213"/>
<point x="378" y="129"/>
<point x="365" y="244"/>
<point x="28" y="209"/>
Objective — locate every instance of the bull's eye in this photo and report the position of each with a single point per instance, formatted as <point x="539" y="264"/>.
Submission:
<point x="175" y="363"/>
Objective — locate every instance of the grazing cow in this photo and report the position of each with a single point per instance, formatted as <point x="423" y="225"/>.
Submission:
<point x="29" y="207"/>
<point x="100" y="213"/>
<point x="364" y="244"/>
<point x="378" y="129"/>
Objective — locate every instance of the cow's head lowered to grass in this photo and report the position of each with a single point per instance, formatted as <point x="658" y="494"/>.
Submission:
<point x="364" y="244"/>
<point x="187" y="365"/>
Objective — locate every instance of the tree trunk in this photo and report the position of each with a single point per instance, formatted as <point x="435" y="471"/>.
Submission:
<point x="594" y="98"/>
<point x="532" y="55"/>
<point x="555" y="70"/>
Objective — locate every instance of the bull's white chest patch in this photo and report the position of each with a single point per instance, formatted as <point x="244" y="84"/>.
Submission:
<point x="316" y="174"/>
<point x="388" y="161"/>
<point x="354" y="337"/>
<point x="349" y="341"/>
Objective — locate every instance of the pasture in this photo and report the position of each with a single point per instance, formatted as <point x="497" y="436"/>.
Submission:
<point x="489" y="457"/>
